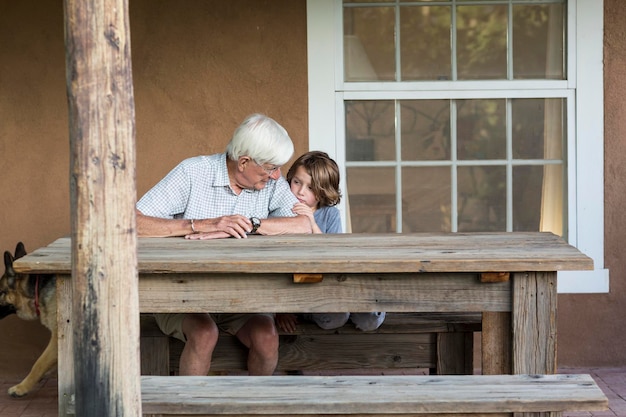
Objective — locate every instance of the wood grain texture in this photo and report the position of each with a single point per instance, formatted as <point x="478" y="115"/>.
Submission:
<point x="276" y="293"/>
<point x="339" y="253"/>
<point x="534" y="323"/>
<point x="442" y="342"/>
<point x="496" y="343"/>
<point x="384" y="395"/>
<point x="101" y="111"/>
<point x="393" y="273"/>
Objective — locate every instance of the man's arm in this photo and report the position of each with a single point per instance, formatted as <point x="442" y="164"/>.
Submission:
<point x="220" y="227"/>
<point x="148" y="226"/>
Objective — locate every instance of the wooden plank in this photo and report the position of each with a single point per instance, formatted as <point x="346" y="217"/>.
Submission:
<point x="455" y="353"/>
<point x="349" y="415"/>
<point x="496" y="343"/>
<point x="276" y="293"/>
<point x="341" y="253"/>
<point x="307" y="278"/>
<point x="494" y="276"/>
<point x="396" y="323"/>
<point x="326" y="352"/>
<point x="534" y="323"/>
<point x="65" y="364"/>
<point x="102" y="192"/>
<point x="385" y="395"/>
<point x="406" y="340"/>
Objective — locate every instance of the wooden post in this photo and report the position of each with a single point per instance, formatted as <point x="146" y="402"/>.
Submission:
<point x="102" y="189"/>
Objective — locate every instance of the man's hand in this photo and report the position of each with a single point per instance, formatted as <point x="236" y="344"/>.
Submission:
<point x="206" y="236"/>
<point x="235" y="225"/>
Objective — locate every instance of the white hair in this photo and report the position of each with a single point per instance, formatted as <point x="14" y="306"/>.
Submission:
<point x="262" y="139"/>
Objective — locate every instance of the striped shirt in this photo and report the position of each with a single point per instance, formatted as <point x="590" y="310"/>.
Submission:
<point x="199" y="188"/>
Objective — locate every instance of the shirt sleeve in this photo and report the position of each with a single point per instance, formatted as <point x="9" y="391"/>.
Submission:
<point x="283" y="200"/>
<point x="169" y="197"/>
<point x="328" y="219"/>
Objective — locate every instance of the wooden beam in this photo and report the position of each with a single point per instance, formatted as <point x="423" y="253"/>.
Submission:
<point x="102" y="191"/>
<point x="307" y="278"/>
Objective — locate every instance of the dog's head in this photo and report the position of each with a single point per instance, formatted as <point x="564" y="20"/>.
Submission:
<point x="8" y="281"/>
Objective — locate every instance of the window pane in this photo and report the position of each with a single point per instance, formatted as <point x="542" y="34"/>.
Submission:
<point x="369" y="49"/>
<point x="538" y="41"/>
<point x="482" y="199"/>
<point x="370" y="130"/>
<point x="425" y="130"/>
<point x="371" y="201"/>
<point x="426" y="195"/>
<point x="481" y="129"/>
<point x="538" y="128"/>
<point x="481" y="42"/>
<point x="425" y="50"/>
<point x="538" y="199"/>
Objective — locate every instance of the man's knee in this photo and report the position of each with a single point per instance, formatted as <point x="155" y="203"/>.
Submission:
<point x="260" y="334"/>
<point x="201" y="330"/>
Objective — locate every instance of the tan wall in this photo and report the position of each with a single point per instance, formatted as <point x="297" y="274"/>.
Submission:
<point x="199" y="68"/>
<point x="591" y="327"/>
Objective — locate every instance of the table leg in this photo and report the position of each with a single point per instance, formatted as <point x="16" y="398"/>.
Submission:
<point x="66" y="344"/>
<point x="534" y="323"/>
<point x="496" y="343"/>
<point x="534" y="326"/>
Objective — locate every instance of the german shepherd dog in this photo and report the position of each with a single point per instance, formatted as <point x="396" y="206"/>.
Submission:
<point x="31" y="297"/>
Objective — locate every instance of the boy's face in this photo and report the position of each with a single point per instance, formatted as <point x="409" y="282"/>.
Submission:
<point x="301" y="188"/>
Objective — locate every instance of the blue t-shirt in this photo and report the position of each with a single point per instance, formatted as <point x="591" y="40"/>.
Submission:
<point x="328" y="219"/>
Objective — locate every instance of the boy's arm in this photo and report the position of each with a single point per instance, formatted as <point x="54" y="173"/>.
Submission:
<point x="284" y="225"/>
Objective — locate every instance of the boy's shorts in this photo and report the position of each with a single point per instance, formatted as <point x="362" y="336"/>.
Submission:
<point x="172" y="324"/>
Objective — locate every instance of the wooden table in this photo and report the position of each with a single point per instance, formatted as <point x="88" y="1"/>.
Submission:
<point x="509" y="277"/>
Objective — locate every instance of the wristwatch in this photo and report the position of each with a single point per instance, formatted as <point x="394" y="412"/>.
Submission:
<point x="256" y="223"/>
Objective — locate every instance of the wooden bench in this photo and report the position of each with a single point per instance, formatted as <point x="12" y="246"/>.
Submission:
<point x="440" y="342"/>
<point x="408" y="395"/>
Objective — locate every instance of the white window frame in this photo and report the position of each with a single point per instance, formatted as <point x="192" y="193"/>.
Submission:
<point x="585" y="134"/>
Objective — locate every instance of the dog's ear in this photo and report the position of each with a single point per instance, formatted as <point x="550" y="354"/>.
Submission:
<point x="20" y="250"/>
<point x="9" y="272"/>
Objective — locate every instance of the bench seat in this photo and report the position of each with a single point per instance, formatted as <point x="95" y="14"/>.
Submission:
<point x="441" y="342"/>
<point x="408" y="395"/>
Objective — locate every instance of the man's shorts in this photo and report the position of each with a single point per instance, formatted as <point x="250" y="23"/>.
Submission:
<point x="172" y="324"/>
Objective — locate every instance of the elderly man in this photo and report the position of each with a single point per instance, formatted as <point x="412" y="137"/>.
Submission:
<point x="230" y="194"/>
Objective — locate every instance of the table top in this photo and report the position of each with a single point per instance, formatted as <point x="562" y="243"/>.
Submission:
<point x="338" y="253"/>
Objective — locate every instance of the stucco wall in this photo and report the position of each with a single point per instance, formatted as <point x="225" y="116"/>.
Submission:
<point x="591" y="327"/>
<point x="199" y="68"/>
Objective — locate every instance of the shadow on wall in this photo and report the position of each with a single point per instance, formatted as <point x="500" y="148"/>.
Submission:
<point x="22" y="343"/>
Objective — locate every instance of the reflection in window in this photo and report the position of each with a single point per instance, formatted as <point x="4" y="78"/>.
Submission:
<point x="454" y="40"/>
<point x="496" y="165"/>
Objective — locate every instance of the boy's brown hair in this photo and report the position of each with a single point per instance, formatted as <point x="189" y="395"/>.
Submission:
<point x="324" y="174"/>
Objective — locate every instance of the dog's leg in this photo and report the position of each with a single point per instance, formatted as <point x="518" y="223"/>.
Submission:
<point x="46" y="361"/>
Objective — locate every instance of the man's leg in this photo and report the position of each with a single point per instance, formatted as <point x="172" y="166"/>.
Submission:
<point x="260" y="336"/>
<point x="201" y="333"/>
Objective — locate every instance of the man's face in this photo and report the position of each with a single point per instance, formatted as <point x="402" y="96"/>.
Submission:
<point x="255" y="176"/>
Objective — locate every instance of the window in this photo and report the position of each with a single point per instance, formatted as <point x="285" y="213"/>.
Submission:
<point x="485" y="134"/>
